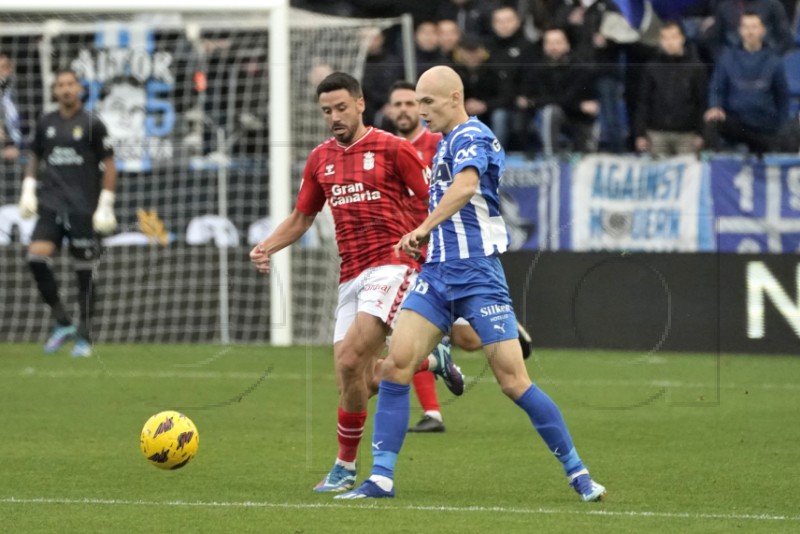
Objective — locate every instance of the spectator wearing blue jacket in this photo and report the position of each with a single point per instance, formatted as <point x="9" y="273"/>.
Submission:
<point x="749" y="95"/>
<point x="728" y="14"/>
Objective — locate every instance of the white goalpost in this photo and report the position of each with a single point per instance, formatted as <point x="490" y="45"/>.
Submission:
<point x="202" y="100"/>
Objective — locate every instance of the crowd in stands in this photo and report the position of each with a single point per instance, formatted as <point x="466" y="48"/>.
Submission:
<point x="657" y="76"/>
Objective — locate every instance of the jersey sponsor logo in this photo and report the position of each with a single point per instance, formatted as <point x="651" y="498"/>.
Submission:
<point x="329" y="170"/>
<point x="342" y="194"/>
<point x="443" y="172"/>
<point x="77" y="133"/>
<point x="494" y="309"/>
<point x="63" y="155"/>
<point x="466" y="153"/>
<point x="381" y="288"/>
<point x="369" y="161"/>
<point x="50" y="132"/>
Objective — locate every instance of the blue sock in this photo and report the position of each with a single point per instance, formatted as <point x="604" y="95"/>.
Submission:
<point x="547" y="420"/>
<point x="391" y="424"/>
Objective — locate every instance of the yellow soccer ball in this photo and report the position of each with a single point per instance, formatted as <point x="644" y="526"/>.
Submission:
<point x="169" y="440"/>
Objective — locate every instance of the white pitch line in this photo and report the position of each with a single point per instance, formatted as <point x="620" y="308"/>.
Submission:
<point x="31" y="372"/>
<point x="457" y="509"/>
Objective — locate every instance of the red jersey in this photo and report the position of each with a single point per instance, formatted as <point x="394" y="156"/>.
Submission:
<point x="366" y="186"/>
<point x="425" y="143"/>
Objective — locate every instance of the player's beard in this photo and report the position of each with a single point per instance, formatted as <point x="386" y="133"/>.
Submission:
<point x="404" y="127"/>
<point x="70" y="102"/>
<point x="345" y="135"/>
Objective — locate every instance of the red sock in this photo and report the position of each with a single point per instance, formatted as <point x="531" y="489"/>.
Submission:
<point x="423" y="366"/>
<point x="349" y="431"/>
<point x="425" y="386"/>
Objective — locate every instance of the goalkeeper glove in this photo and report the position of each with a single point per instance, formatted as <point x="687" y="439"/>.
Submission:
<point x="28" y="203"/>
<point x="103" y="219"/>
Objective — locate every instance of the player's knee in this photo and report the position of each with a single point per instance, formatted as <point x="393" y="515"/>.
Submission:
<point x="513" y="386"/>
<point x="84" y="250"/>
<point x="349" y="365"/>
<point x="41" y="249"/>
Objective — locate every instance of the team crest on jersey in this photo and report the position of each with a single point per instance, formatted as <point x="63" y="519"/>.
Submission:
<point x="369" y="161"/>
<point x="77" y="133"/>
<point x="51" y="132"/>
<point x="329" y="169"/>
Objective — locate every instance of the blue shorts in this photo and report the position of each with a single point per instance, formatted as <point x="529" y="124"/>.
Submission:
<point x="474" y="289"/>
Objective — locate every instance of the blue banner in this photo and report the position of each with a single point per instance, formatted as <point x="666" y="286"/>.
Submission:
<point x="756" y="205"/>
<point x="130" y="84"/>
<point x="530" y="203"/>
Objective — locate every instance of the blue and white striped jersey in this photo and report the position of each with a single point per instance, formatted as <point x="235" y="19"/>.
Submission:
<point x="477" y="230"/>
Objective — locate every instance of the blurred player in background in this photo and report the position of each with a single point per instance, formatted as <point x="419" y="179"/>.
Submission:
<point x="403" y="111"/>
<point x="363" y="174"/>
<point x="462" y="277"/>
<point x="75" y="200"/>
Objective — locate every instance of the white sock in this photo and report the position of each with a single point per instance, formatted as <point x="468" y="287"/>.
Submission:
<point x="347" y="465"/>
<point x="384" y="483"/>
<point x="433" y="363"/>
<point x="434" y="414"/>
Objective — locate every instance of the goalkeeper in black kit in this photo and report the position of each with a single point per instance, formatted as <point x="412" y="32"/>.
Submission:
<point x="74" y="198"/>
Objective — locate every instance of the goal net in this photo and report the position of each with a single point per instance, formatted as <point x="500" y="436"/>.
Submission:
<point x="186" y="100"/>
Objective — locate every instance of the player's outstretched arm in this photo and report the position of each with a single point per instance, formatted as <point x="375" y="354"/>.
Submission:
<point x="104" y="220"/>
<point x="28" y="202"/>
<point x="290" y="230"/>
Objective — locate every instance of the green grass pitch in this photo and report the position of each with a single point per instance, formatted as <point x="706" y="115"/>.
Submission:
<point x="683" y="442"/>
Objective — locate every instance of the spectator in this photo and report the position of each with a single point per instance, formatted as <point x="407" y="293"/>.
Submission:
<point x="536" y="16"/>
<point x="581" y="21"/>
<point x="725" y="30"/>
<point x="472" y="16"/>
<point x="380" y="70"/>
<point x="449" y="37"/>
<point x="672" y="98"/>
<point x="10" y="134"/>
<point x="508" y="47"/>
<point x="486" y="96"/>
<point x="426" y="41"/>
<point x="560" y="89"/>
<point x="749" y="95"/>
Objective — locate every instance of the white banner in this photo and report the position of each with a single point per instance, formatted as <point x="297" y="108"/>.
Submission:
<point x="629" y="203"/>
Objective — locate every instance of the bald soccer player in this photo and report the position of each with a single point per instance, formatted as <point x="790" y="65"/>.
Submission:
<point x="462" y="277"/>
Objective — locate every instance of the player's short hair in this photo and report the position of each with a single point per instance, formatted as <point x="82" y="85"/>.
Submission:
<point x="402" y="84"/>
<point x="672" y="24"/>
<point x="66" y="70"/>
<point x="752" y="13"/>
<point x="340" y="80"/>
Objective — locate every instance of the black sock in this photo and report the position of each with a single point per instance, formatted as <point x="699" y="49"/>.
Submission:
<point x="48" y="287"/>
<point x="86" y="298"/>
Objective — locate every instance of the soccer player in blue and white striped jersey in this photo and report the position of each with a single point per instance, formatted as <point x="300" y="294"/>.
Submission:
<point x="462" y="277"/>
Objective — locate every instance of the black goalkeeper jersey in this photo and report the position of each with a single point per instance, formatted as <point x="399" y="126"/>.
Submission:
<point x="71" y="151"/>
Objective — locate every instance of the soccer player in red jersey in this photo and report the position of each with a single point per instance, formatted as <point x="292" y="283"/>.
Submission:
<point x="363" y="174"/>
<point x="403" y="111"/>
